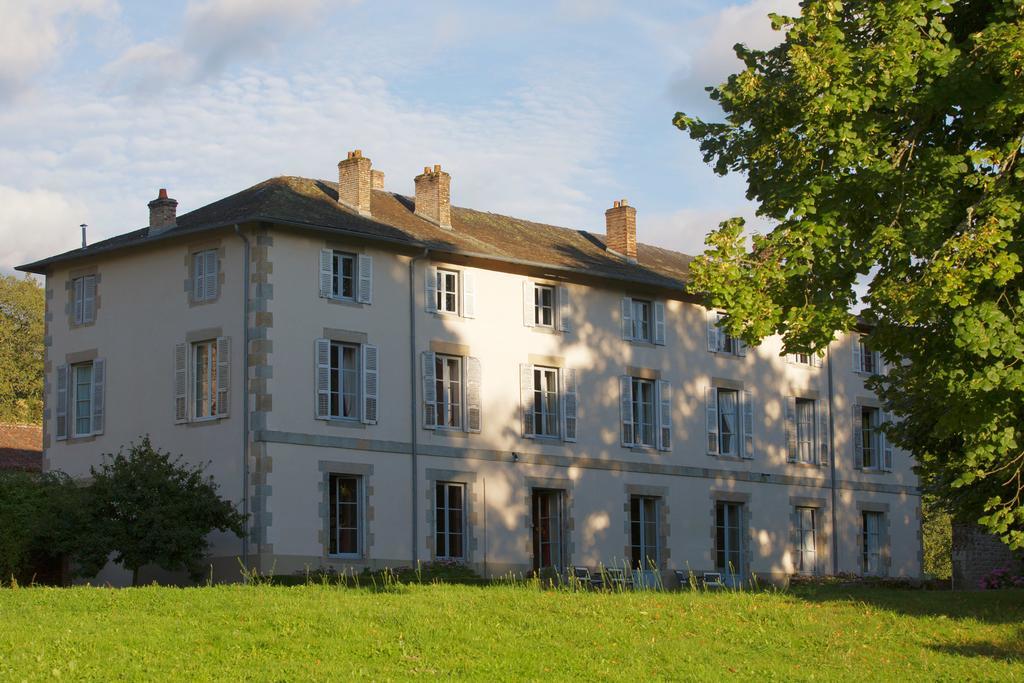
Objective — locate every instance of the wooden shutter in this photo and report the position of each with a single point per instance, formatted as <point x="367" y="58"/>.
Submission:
<point x="529" y="305"/>
<point x="714" y="343"/>
<point x="569" y="404"/>
<point x="711" y="415"/>
<point x="664" y="415"/>
<point x="211" y="274"/>
<point x="198" y="276"/>
<point x="659" y="323"/>
<point x="322" y="362"/>
<point x="180" y="383"/>
<point x="474" y="402"/>
<point x="78" y="298"/>
<point x="791" y="430"/>
<point x="223" y="376"/>
<point x="365" y="268"/>
<point x="626" y="409"/>
<point x="884" y="445"/>
<point x="740" y="346"/>
<point x="430" y="289"/>
<point x="89" y="299"/>
<point x="326" y="273"/>
<point x="748" y="424"/>
<point x="858" y="361"/>
<point x="62" y="402"/>
<point x="526" y="398"/>
<point x="468" y="293"/>
<point x="429" y="388"/>
<point x="819" y="409"/>
<point x="564" y="310"/>
<point x="627" y="318"/>
<point x="370" y="384"/>
<point x="816" y="360"/>
<point x="99" y="392"/>
<point x="858" y="440"/>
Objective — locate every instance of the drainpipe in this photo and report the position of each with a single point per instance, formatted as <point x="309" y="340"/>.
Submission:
<point x="832" y="461"/>
<point x="245" y="398"/>
<point x="413" y="419"/>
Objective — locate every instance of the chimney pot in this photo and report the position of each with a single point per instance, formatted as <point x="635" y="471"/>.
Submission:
<point x="433" y="196"/>
<point x="354" y="182"/>
<point x="437" y="168"/>
<point x="163" y="213"/>
<point x="620" y="227"/>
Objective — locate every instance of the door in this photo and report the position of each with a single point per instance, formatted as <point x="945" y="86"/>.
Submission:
<point x="547" y="529"/>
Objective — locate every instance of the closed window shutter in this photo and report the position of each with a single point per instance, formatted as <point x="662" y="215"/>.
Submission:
<point x="365" y="279"/>
<point x="819" y="407"/>
<point x="322" y="360"/>
<point x="326" y="273"/>
<point x="370" y="384"/>
<point x="223" y="376"/>
<point x="198" y="277"/>
<point x="429" y="391"/>
<point x="569" y="404"/>
<point x="627" y="318"/>
<point x="741" y="348"/>
<point x="431" y="288"/>
<point x="748" y="424"/>
<point x="529" y="305"/>
<point x="659" y="323"/>
<point x="816" y="360"/>
<point x="626" y="409"/>
<point x="564" y="310"/>
<point x="858" y="440"/>
<point x="526" y="398"/>
<point x="791" y="446"/>
<point x="62" y="402"/>
<point x="664" y="415"/>
<point x="99" y="391"/>
<point x="886" y="446"/>
<point x="711" y="415"/>
<point x="468" y="294"/>
<point x="180" y="383"/>
<point x="211" y="274"/>
<point x="78" y="299"/>
<point x="89" y="299"/>
<point x="858" y="362"/>
<point x="474" y="407"/>
<point x="712" y="322"/>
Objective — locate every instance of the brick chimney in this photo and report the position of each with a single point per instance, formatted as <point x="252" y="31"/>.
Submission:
<point x="354" y="182"/>
<point x="377" y="179"/>
<point x="620" y="226"/>
<point x="433" y="196"/>
<point x="163" y="213"/>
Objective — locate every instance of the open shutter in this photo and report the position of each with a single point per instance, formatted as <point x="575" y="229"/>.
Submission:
<point x="884" y="443"/>
<point x="713" y="340"/>
<point x="89" y="299"/>
<point x="791" y="445"/>
<point x="659" y="323"/>
<point x="322" y="359"/>
<point x="198" y="276"/>
<point x="326" y="272"/>
<point x="569" y="404"/>
<point x="474" y="407"/>
<point x="819" y="407"/>
<point x="429" y="389"/>
<point x="99" y="392"/>
<point x="748" y="424"/>
<point x="564" y="310"/>
<point x="365" y="273"/>
<point x="529" y="305"/>
<point x="664" y="415"/>
<point x="626" y="409"/>
<point x="627" y="318"/>
<point x="78" y="298"/>
<point x="211" y="274"/>
<point x="526" y="398"/>
<point x="858" y="361"/>
<point x="430" y="290"/>
<point x="858" y="440"/>
<point x="816" y="359"/>
<point x="180" y="383"/>
<point x="62" y="402"/>
<point x="711" y="414"/>
<point x="370" y="384"/>
<point x="741" y="347"/>
<point x="223" y="376"/>
<point x="468" y="294"/>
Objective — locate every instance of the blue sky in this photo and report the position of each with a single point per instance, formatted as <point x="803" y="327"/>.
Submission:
<point x="545" y="110"/>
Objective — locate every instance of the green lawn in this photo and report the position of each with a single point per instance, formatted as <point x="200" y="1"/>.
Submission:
<point x="506" y="633"/>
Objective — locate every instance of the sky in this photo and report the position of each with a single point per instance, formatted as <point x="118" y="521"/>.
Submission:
<point x="542" y="110"/>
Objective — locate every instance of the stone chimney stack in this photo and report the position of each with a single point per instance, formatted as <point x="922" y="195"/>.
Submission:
<point x="163" y="213"/>
<point x="620" y="226"/>
<point x="377" y="180"/>
<point x="354" y="182"/>
<point x="433" y="196"/>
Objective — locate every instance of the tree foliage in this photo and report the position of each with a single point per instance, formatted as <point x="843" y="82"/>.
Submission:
<point x="40" y="515"/>
<point x="22" y="306"/>
<point x="882" y="139"/>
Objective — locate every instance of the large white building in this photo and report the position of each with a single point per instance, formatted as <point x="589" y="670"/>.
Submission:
<point x="384" y="380"/>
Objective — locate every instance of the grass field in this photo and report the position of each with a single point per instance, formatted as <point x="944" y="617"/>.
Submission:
<point x="507" y="633"/>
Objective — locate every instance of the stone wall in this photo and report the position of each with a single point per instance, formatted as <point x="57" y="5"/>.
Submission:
<point x="976" y="553"/>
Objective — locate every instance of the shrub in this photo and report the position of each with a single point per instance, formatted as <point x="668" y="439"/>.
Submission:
<point x="38" y="517"/>
<point x="1003" y="577"/>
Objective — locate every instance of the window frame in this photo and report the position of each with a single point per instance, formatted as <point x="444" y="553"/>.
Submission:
<point x="871" y="456"/>
<point x="211" y="371"/>
<point x="808" y="430"/>
<point x="338" y="277"/>
<point x="79" y="288"/>
<point x="867" y="553"/>
<point x="637" y="410"/>
<point x="77" y="400"/>
<point x="200" y="273"/>
<point x="554" y="414"/>
<point x="444" y="531"/>
<point x="645" y="306"/>
<point x="443" y="381"/>
<point x="729" y="515"/>
<point x="442" y="292"/>
<point x="539" y="307"/>
<point x="334" y="504"/>
<point x="642" y="523"/>
<point x="803" y="533"/>
<point x="336" y="383"/>
<point x="736" y="432"/>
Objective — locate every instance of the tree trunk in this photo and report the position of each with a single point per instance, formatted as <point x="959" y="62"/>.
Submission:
<point x="135" y="576"/>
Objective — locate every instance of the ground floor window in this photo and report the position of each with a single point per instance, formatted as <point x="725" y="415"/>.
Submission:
<point x="871" y="543"/>
<point x="807" y="548"/>
<point x="643" y="531"/>
<point x="547" y="528"/>
<point x="345" y="514"/>
<point x="449" y="521"/>
<point x="729" y="538"/>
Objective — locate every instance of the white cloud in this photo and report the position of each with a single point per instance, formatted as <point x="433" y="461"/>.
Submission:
<point x="36" y="224"/>
<point x="684" y="230"/>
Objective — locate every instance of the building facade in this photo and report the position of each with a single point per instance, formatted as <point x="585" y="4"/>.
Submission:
<point x="380" y="380"/>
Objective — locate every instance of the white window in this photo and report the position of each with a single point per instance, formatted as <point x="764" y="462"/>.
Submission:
<point x="345" y="276"/>
<point x="545" y="414"/>
<point x="451" y="392"/>
<point x="451" y="291"/>
<point x="811" y="360"/>
<point x="447" y="291"/>
<point x="871" y="449"/>
<point x="643" y="321"/>
<point x="729" y="540"/>
<point x="865" y="361"/>
<point x="201" y="379"/>
<point x="548" y="401"/>
<point x="82" y="400"/>
<point x="345" y="530"/>
<point x="643" y="412"/>
<point x="643" y="532"/>
<point x="871" y="543"/>
<point x="204" y="379"/>
<point x="547" y="528"/>
<point x="84" y="299"/>
<point x="449" y="521"/>
<point x="448" y="378"/>
<point x="346" y="381"/>
<point x="204" y="275"/>
<point x="807" y="547"/>
<point x="719" y="341"/>
<point x="544" y="306"/>
<point x="646" y="411"/>
<point x="805" y="430"/>
<point x="730" y="422"/>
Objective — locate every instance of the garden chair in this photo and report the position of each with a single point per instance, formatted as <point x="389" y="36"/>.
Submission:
<point x="582" y="577"/>
<point x="616" y="578"/>
<point x="713" y="581"/>
<point x="682" y="578"/>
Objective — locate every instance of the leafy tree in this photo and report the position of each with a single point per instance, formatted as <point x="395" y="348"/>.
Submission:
<point x="883" y="141"/>
<point x="22" y="306"/>
<point x="39" y="517"/>
<point x="146" y="507"/>
<point x="937" y="538"/>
